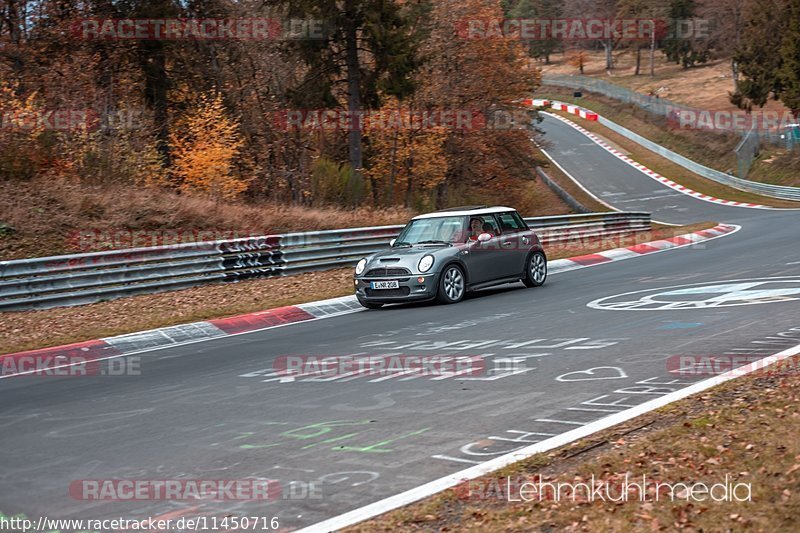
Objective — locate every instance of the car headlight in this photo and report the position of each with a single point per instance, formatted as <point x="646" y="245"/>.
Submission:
<point x="360" y="266"/>
<point x="425" y="263"/>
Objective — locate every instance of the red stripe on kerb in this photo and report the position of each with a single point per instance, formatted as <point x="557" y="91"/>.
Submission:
<point x="86" y="351"/>
<point x="643" y="248"/>
<point x="253" y="321"/>
<point x="95" y="348"/>
<point x="590" y="259"/>
<point x="679" y="240"/>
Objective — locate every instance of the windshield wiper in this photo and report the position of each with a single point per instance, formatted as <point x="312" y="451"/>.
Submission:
<point x="401" y="243"/>
<point x="435" y="242"/>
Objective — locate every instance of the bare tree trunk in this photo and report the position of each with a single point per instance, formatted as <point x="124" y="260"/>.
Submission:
<point x="393" y="169"/>
<point x="638" y="60"/>
<point x="653" y="54"/>
<point x="153" y="62"/>
<point x="608" y="45"/>
<point x="353" y="92"/>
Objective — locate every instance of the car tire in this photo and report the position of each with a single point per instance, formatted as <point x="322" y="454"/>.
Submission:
<point x="369" y="305"/>
<point x="452" y="285"/>
<point x="535" y="270"/>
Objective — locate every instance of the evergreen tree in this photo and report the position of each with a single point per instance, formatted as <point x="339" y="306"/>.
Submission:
<point x="758" y="55"/>
<point x="538" y="9"/>
<point x="789" y="73"/>
<point x="368" y="50"/>
<point x="682" y="49"/>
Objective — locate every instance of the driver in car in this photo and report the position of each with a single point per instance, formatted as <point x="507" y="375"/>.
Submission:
<point x="476" y="228"/>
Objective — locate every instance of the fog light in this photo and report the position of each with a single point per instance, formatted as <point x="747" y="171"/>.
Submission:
<point x="420" y="279"/>
<point x="355" y="282"/>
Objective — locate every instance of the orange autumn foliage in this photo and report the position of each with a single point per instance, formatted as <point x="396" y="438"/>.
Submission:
<point x="205" y="146"/>
<point x="407" y="156"/>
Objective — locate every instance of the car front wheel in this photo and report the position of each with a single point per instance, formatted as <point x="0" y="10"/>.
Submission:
<point x="536" y="270"/>
<point x="452" y="285"/>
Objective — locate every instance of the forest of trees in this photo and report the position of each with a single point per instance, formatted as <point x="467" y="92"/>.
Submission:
<point x="202" y="116"/>
<point x="198" y="115"/>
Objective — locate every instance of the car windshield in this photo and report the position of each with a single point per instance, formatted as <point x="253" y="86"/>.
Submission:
<point x="439" y="230"/>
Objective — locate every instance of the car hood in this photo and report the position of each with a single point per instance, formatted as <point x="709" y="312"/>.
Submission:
<point x="404" y="252"/>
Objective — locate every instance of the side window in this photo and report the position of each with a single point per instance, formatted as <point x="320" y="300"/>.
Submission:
<point x="509" y="223"/>
<point x="522" y="224"/>
<point x="490" y="225"/>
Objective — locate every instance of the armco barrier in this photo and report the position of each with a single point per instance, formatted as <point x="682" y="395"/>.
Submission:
<point x="66" y="280"/>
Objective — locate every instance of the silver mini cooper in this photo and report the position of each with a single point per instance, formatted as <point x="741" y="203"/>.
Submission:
<point x="444" y="254"/>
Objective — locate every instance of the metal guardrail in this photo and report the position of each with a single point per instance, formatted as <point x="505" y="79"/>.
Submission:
<point x="746" y="153"/>
<point x="67" y="280"/>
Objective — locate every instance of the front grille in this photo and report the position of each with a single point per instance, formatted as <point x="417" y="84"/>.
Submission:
<point x="402" y="291"/>
<point x="387" y="271"/>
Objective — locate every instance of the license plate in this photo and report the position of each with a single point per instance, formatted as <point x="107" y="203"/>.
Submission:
<point x="385" y="284"/>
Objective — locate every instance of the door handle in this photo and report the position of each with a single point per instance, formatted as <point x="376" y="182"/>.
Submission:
<point x="507" y="243"/>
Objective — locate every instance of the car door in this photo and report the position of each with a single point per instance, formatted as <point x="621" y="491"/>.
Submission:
<point x="482" y="257"/>
<point x="512" y="244"/>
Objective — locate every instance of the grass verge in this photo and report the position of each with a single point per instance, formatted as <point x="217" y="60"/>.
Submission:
<point x="669" y="169"/>
<point x="745" y="428"/>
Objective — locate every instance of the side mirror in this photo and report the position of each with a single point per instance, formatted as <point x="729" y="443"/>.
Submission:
<point x="391" y="243"/>
<point x="483" y="237"/>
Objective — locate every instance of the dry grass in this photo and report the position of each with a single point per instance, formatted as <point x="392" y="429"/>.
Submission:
<point x="746" y="428"/>
<point x="46" y="214"/>
<point x="27" y="330"/>
<point x="46" y="217"/>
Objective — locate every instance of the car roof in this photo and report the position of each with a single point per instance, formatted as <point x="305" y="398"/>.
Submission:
<point x="467" y="210"/>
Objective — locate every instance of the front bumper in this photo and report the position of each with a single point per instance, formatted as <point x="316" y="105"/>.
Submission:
<point x="410" y="288"/>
